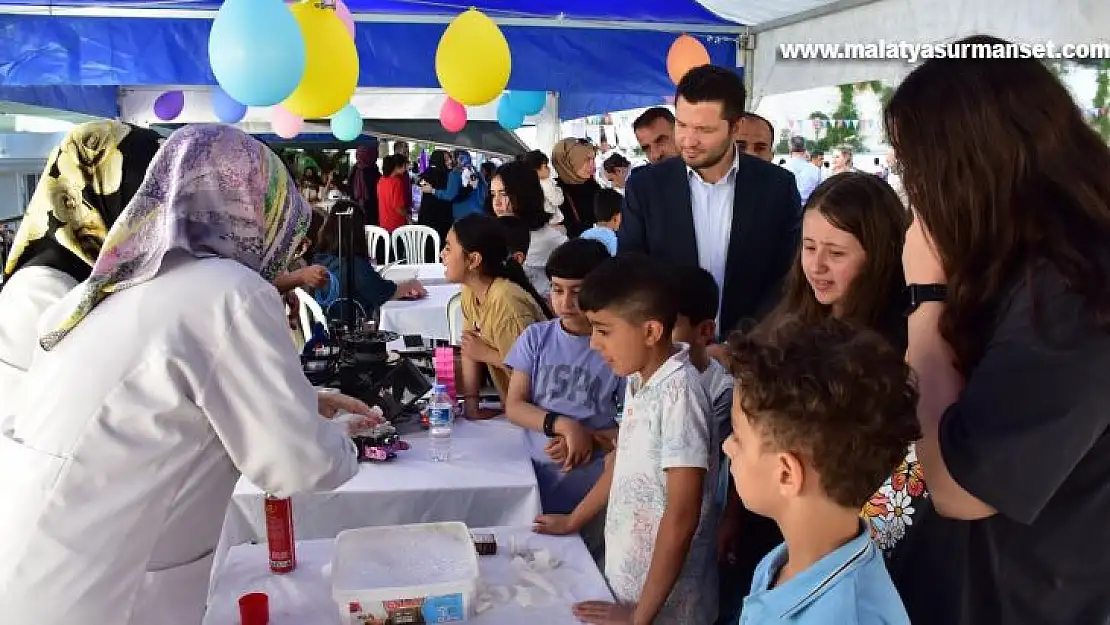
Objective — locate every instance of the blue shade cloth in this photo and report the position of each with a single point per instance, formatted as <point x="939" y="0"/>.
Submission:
<point x="593" y="70"/>
<point x="655" y="11"/>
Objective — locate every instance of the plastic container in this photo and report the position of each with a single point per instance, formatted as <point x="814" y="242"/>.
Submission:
<point x="441" y="420"/>
<point x="401" y="571"/>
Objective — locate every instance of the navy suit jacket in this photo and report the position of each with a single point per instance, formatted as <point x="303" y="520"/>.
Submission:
<point x="657" y="219"/>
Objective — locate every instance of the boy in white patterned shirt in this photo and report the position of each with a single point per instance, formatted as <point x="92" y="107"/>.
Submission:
<point x="660" y="530"/>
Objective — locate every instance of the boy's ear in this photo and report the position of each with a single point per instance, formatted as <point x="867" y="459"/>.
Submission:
<point x="791" y="474"/>
<point x="653" y="332"/>
<point x="707" y="331"/>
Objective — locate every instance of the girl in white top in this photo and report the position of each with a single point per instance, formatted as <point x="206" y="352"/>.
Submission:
<point x="89" y="178"/>
<point x="515" y="190"/>
<point x="164" y="374"/>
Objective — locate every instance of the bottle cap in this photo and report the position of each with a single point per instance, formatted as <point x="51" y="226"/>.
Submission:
<point x="439" y="388"/>
<point x="254" y="609"/>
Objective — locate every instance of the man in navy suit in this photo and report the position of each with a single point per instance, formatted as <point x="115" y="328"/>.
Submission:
<point x="739" y="218"/>
<point x="732" y="214"/>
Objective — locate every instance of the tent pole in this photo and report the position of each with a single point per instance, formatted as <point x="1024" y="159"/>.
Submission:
<point x="745" y="58"/>
<point x="548" y="129"/>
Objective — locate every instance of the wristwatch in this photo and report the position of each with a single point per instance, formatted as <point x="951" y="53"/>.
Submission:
<point x="549" y="424"/>
<point x="921" y="293"/>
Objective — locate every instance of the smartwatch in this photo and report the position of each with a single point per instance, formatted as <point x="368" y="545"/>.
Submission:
<point x="549" y="424"/>
<point x="921" y="293"/>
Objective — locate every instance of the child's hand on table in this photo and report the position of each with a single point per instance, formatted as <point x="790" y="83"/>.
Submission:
<point x="605" y="613"/>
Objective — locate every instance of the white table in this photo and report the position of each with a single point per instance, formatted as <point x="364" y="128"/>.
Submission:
<point x="429" y="274"/>
<point x="488" y="482"/>
<point x="304" y="596"/>
<point x="425" y="317"/>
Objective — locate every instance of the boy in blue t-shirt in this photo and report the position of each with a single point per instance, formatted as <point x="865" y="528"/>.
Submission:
<point x="607" y="217"/>
<point x="562" y="392"/>
<point x="822" y="412"/>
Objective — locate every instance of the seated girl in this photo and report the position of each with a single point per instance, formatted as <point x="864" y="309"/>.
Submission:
<point x="498" y="303"/>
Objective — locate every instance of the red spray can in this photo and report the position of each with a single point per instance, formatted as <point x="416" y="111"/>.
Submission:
<point x="279" y="534"/>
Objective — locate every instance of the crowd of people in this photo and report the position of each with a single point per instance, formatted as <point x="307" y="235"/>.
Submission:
<point x="757" y="396"/>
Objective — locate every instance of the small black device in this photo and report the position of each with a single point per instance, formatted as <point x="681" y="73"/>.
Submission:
<point x="414" y="340"/>
<point x="921" y="293"/>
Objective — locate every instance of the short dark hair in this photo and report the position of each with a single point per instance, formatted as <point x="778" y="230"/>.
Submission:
<point x="535" y="159"/>
<point x="816" y="154"/>
<point x="834" y="393"/>
<point x="651" y="116"/>
<point x="614" y="161"/>
<point x="575" y="259"/>
<point x="632" y="286"/>
<point x="763" y="119"/>
<point x="607" y="204"/>
<point x="712" y="83"/>
<point x="697" y="293"/>
<point x="517" y="235"/>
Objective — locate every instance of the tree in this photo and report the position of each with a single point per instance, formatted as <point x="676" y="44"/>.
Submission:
<point x="1101" y="122"/>
<point x="839" y="133"/>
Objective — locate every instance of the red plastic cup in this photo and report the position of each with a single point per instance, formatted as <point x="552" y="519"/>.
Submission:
<point x="254" y="609"/>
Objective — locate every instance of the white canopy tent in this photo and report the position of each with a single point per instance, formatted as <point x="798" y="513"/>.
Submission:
<point x="894" y="21"/>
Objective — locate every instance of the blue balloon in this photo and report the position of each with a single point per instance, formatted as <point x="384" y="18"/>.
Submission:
<point x="346" y="125"/>
<point x="226" y="108"/>
<point x="256" y="51"/>
<point x="529" y="102"/>
<point x="508" y="115"/>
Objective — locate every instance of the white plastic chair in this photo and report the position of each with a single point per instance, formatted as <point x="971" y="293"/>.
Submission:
<point x="455" y="319"/>
<point x="414" y="240"/>
<point x="376" y="235"/>
<point x="310" y="312"/>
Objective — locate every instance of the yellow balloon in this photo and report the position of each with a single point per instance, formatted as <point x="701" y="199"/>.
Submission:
<point x="472" y="60"/>
<point x="331" y="68"/>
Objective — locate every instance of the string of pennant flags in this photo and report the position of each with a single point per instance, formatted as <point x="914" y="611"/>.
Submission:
<point x="859" y="124"/>
<point x="1096" y="112"/>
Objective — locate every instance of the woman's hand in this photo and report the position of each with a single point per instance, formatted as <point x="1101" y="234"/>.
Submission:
<point x="477" y="349"/>
<point x="313" y="277"/>
<point x="331" y="404"/>
<point x="920" y="260"/>
<point x="410" y="289"/>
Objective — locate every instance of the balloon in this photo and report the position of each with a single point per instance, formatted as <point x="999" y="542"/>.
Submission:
<point x="469" y="81"/>
<point x="508" y="115"/>
<point x="284" y="123"/>
<point x="685" y="54"/>
<point x="529" y="102"/>
<point x="225" y="107"/>
<point x="331" y="73"/>
<point x="346" y="125"/>
<point x="256" y="51"/>
<point x="452" y="116"/>
<point x="168" y="105"/>
<point x="345" y="16"/>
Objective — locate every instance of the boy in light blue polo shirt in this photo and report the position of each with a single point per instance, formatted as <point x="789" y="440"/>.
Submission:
<point x="822" y="412"/>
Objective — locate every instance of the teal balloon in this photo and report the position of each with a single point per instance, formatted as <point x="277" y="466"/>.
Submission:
<point x="227" y="110"/>
<point x="529" y="102"/>
<point x="256" y="51"/>
<point x="508" y="115"/>
<point x="346" y="125"/>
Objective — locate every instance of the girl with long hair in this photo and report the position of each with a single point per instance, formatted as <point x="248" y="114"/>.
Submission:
<point x="1007" y="266"/>
<point x="498" y="302"/>
<point x="515" y="190"/>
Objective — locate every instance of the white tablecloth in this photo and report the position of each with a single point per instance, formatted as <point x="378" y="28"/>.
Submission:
<point x="304" y="596"/>
<point x="428" y="274"/>
<point x="488" y="482"/>
<point x="426" y="317"/>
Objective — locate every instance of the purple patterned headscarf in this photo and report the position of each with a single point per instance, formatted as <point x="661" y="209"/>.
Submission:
<point x="212" y="191"/>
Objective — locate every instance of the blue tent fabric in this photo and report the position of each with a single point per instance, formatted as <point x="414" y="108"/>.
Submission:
<point x="651" y="11"/>
<point x="99" y="101"/>
<point x="594" y="70"/>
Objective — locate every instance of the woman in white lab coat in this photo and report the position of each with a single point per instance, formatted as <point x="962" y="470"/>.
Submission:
<point x="165" y="374"/>
<point x="88" y="180"/>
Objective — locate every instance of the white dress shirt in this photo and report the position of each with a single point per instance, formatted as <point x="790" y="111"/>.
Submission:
<point x="712" y="206"/>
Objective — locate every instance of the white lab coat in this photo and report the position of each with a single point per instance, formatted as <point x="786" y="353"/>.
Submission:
<point x="24" y="298"/>
<point x="130" y="435"/>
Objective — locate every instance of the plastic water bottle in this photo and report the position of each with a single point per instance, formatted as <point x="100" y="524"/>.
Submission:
<point x="441" y="418"/>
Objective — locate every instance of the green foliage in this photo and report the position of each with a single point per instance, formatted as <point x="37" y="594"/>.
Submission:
<point x="1101" y="122"/>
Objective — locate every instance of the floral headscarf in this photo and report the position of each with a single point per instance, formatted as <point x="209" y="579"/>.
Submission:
<point x="89" y="178"/>
<point x="212" y="191"/>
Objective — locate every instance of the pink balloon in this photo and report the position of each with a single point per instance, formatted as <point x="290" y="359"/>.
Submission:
<point x="285" y="124"/>
<point x="345" y="16"/>
<point x="452" y="116"/>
